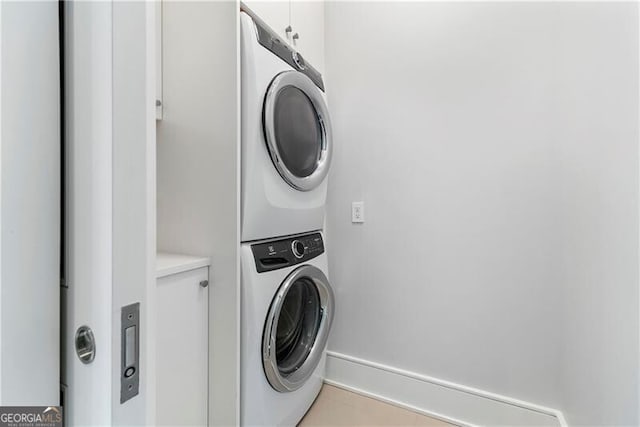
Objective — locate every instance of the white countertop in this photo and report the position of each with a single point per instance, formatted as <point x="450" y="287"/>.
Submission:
<point x="167" y="264"/>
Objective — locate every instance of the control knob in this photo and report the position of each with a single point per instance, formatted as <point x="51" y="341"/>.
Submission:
<point x="298" y="248"/>
<point x="298" y="60"/>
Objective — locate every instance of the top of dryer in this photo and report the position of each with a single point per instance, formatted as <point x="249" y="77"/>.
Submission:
<point x="271" y="41"/>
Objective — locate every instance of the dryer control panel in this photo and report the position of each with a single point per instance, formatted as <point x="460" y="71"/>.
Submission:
<point x="270" y="40"/>
<point x="276" y="254"/>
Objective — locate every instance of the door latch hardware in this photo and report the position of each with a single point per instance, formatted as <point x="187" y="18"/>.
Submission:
<point x="130" y="351"/>
<point x="85" y="344"/>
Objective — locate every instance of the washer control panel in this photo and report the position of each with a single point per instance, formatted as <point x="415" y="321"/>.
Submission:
<point x="276" y="254"/>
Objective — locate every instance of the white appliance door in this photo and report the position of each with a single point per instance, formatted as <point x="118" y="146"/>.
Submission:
<point x="297" y="130"/>
<point x="297" y="328"/>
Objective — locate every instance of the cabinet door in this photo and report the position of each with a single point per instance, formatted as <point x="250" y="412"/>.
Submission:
<point x="276" y="14"/>
<point x="307" y="20"/>
<point x="157" y="11"/>
<point x="182" y="349"/>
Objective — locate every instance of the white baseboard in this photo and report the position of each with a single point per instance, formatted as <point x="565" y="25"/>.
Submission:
<point x="450" y="402"/>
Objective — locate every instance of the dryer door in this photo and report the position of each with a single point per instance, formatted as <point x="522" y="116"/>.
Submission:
<point x="297" y="328"/>
<point x="297" y="130"/>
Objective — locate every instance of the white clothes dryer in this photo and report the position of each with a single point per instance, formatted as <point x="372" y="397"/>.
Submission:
<point x="286" y="136"/>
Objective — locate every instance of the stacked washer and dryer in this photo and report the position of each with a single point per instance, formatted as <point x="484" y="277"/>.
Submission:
<point x="287" y="301"/>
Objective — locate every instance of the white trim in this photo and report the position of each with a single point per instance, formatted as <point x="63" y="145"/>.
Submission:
<point x="238" y="190"/>
<point x="448" y="401"/>
<point x="561" y="420"/>
<point x="1" y="401"/>
<point x="152" y="45"/>
<point x="638" y="153"/>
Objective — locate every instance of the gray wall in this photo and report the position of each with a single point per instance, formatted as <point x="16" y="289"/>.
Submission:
<point x="597" y="138"/>
<point x="30" y="204"/>
<point x="198" y="173"/>
<point x="495" y="146"/>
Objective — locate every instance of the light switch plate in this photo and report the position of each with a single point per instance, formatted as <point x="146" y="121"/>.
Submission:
<point x="357" y="212"/>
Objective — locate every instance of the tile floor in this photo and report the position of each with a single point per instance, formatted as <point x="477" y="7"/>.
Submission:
<point x="337" y="407"/>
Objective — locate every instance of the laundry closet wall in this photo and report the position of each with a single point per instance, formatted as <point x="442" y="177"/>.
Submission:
<point x="495" y="146"/>
<point x="198" y="173"/>
<point x="29" y="204"/>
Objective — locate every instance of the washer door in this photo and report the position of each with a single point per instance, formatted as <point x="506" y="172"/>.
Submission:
<point x="297" y="130"/>
<point x="297" y="328"/>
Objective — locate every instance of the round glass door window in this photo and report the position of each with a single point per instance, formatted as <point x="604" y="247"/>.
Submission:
<point x="297" y="130"/>
<point x="298" y="325"/>
<point x="297" y="328"/>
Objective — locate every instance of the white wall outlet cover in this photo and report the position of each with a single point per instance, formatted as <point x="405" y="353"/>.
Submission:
<point x="357" y="212"/>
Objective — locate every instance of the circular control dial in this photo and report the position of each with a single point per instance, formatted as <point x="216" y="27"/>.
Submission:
<point x="298" y="248"/>
<point x="298" y="60"/>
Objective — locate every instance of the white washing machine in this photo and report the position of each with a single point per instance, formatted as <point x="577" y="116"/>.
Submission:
<point x="287" y="310"/>
<point x="286" y="137"/>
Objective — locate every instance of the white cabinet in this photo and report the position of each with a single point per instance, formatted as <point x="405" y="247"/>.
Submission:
<point x="182" y="340"/>
<point x="306" y="19"/>
<point x="274" y="13"/>
<point x="157" y="9"/>
<point x="158" y="56"/>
